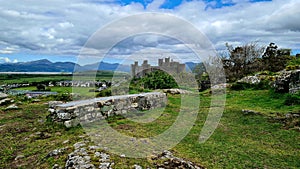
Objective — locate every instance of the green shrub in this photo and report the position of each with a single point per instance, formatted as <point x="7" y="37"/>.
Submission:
<point x="104" y="93"/>
<point x="155" y="80"/>
<point x="63" y="97"/>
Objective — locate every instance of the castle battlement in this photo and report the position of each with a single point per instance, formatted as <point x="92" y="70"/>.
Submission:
<point x="165" y="64"/>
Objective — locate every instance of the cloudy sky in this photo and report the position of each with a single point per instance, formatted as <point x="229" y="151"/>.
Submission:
<point x="58" y="30"/>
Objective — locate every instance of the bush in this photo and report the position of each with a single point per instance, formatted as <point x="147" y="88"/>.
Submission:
<point x="104" y="93"/>
<point x="63" y="97"/>
<point x="155" y="80"/>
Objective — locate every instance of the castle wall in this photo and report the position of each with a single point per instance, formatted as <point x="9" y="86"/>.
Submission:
<point x="165" y="65"/>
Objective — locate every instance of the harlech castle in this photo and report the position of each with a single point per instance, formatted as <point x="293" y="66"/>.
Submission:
<point x="166" y="65"/>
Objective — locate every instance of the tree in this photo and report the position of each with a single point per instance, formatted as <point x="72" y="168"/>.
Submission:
<point x="41" y="87"/>
<point x="275" y="59"/>
<point x="198" y="70"/>
<point x="242" y="60"/>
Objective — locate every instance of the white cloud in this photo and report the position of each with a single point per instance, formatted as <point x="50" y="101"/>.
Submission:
<point x="63" y="27"/>
<point x="7" y="60"/>
<point x="7" y="50"/>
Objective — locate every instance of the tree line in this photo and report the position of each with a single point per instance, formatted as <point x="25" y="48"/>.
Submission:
<point x="248" y="59"/>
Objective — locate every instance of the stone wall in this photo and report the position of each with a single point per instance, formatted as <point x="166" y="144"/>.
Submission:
<point x="288" y="82"/>
<point x="85" y="111"/>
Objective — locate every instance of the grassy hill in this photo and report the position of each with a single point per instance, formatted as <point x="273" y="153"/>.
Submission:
<point x="263" y="139"/>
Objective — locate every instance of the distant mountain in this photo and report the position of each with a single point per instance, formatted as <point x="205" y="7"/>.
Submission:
<point x="190" y="65"/>
<point x="107" y="66"/>
<point x="45" y="65"/>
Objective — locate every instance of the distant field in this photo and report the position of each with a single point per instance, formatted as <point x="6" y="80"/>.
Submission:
<point x="80" y="90"/>
<point x="30" y="78"/>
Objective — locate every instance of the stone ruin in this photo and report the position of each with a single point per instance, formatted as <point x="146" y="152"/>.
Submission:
<point x="288" y="82"/>
<point x="166" y="65"/>
<point x="85" y="111"/>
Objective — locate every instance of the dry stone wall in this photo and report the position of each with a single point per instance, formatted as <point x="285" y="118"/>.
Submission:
<point x="85" y="111"/>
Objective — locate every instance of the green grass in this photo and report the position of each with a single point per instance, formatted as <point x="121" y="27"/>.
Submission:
<point x="240" y="141"/>
<point x="18" y="128"/>
<point x="83" y="91"/>
<point x="27" y="78"/>
<point x="31" y="78"/>
<point x="263" y="101"/>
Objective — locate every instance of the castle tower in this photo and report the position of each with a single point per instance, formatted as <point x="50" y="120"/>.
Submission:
<point x="160" y="62"/>
<point x="134" y="68"/>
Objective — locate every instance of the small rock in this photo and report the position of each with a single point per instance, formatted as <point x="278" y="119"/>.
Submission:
<point x="58" y="133"/>
<point x="3" y="95"/>
<point x="122" y="155"/>
<point x="5" y="101"/>
<point x="55" y="152"/>
<point x="52" y="104"/>
<point x="66" y="141"/>
<point x="87" y="158"/>
<point x="19" y="157"/>
<point x="36" y="100"/>
<point x="137" y="166"/>
<point x="56" y="166"/>
<point x="40" y="120"/>
<point x="38" y="133"/>
<point x="78" y="145"/>
<point x="12" y="107"/>
<point x="249" y="112"/>
<point x="104" y="157"/>
<point x="105" y="165"/>
<point x="94" y="147"/>
<point x="97" y="154"/>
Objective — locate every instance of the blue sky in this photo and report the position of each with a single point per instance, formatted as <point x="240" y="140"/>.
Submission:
<point x="58" y="29"/>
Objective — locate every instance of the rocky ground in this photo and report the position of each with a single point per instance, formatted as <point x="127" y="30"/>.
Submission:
<point x="88" y="156"/>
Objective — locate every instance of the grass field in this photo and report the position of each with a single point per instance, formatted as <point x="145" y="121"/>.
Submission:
<point x="30" y="78"/>
<point x="240" y="141"/>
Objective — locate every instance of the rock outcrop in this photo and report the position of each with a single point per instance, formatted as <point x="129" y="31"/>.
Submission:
<point x="176" y="91"/>
<point x="250" y="80"/>
<point x="4" y="100"/>
<point x="288" y="82"/>
<point x="170" y="162"/>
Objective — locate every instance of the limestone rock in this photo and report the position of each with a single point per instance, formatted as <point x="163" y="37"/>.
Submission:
<point x="5" y="101"/>
<point x="55" y="152"/>
<point x="176" y="91"/>
<point x="294" y="85"/>
<point x="19" y="157"/>
<point x="3" y="95"/>
<point x="170" y="161"/>
<point x="52" y="104"/>
<point x="250" y="80"/>
<point x="12" y="107"/>
<point x="137" y="166"/>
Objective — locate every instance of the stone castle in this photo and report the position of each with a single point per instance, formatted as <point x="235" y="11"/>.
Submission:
<point x="166" y="65"/>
